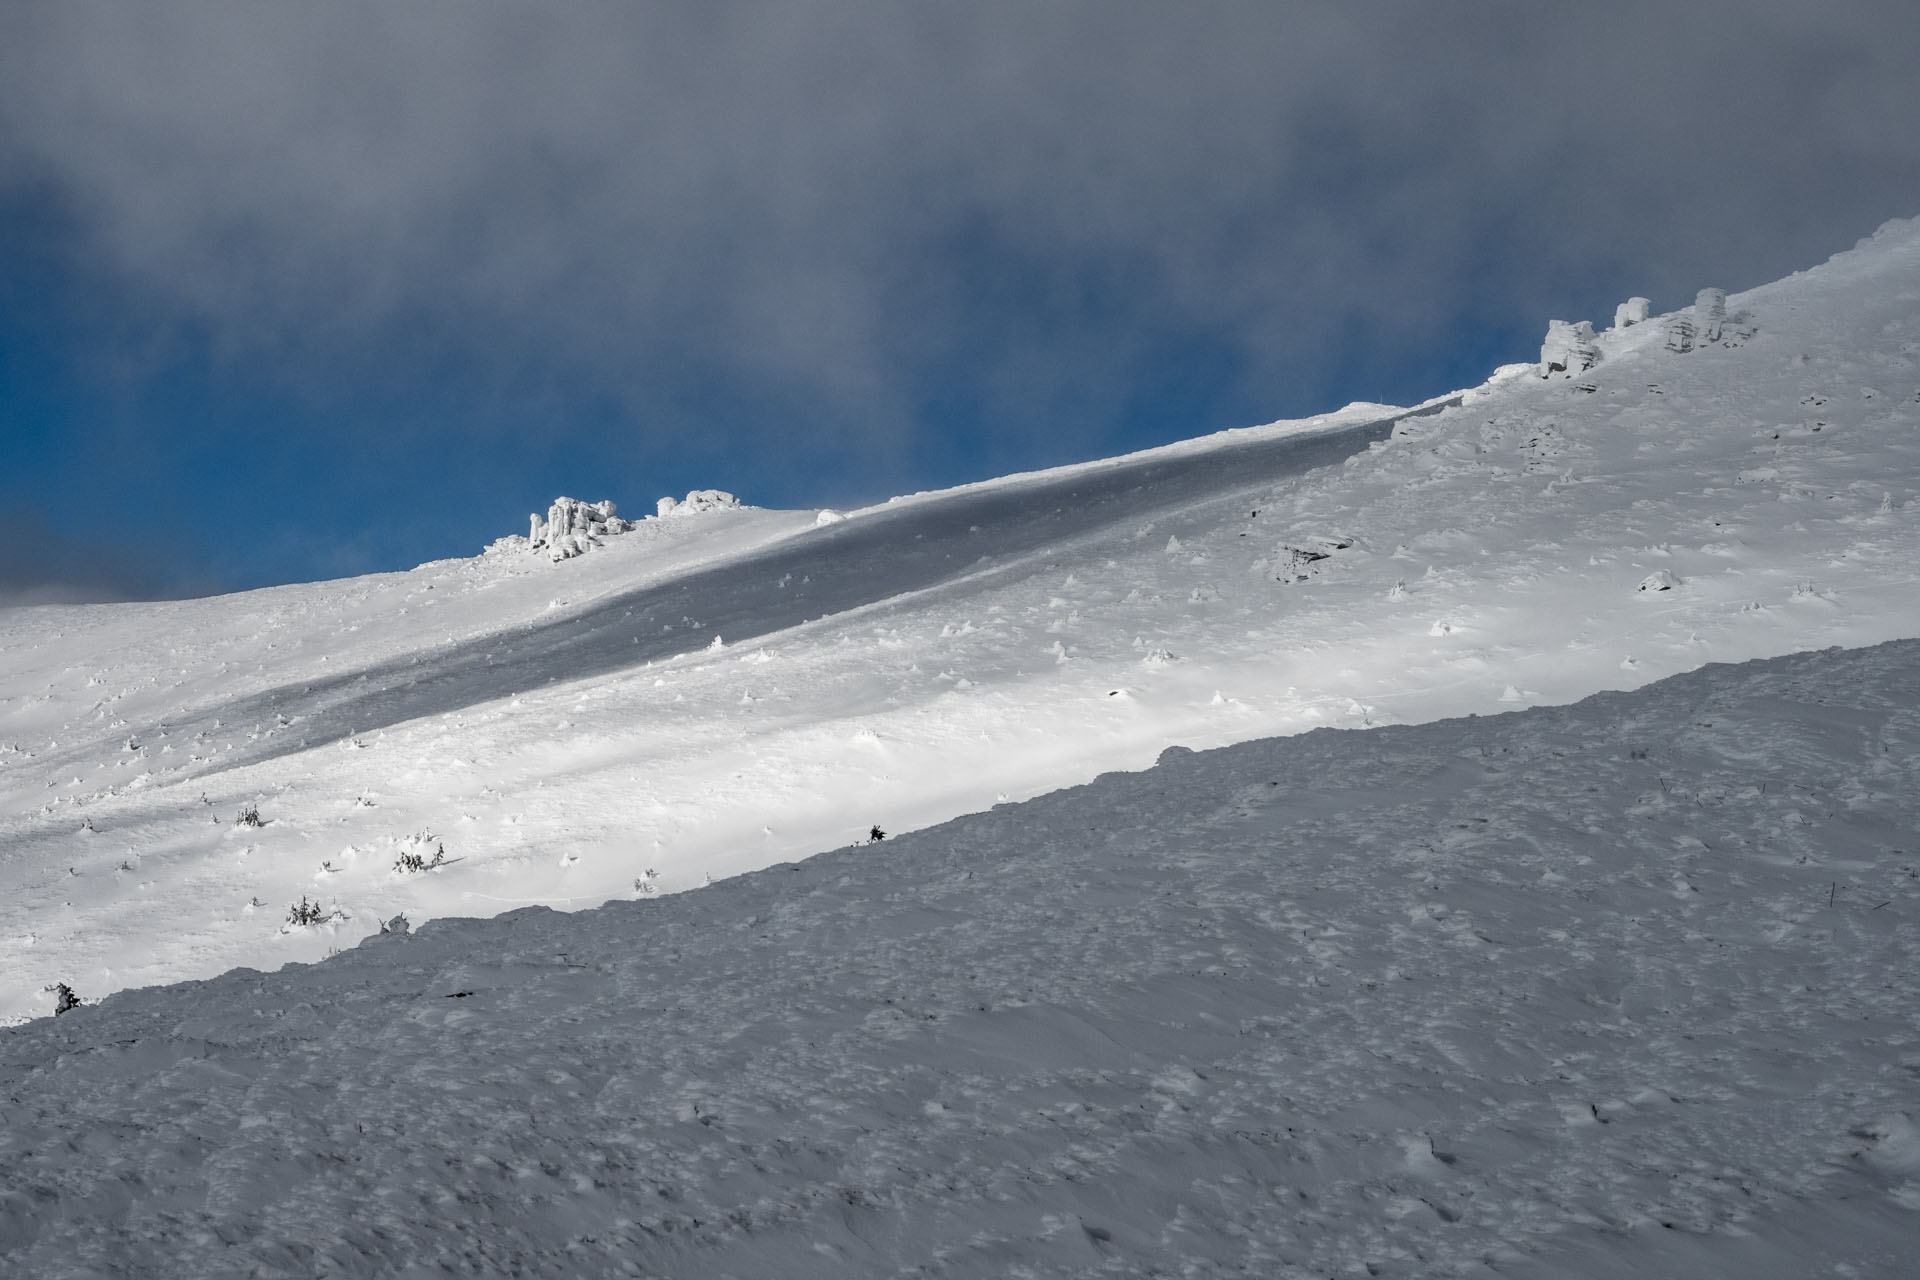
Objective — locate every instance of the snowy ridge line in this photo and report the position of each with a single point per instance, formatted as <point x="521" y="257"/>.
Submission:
<point x="1568" y="992"/>
<point x="847" y="566"/>
<point x="1359" y="414"/>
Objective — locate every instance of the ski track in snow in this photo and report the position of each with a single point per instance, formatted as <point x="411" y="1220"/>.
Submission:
<point x="1628" y="984"/>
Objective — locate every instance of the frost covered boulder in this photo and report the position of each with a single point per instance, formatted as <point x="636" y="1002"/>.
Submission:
<point x="1631" y="312"/>
<point x="1659" y="580"/>
<point x="699" y="500"/>
<point x="1680" y="333"/>
<point x="1569" y="348"/>
<point x="571" y="527"/>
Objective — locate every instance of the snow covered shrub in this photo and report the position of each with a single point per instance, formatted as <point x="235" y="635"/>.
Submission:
<point x="876" y="835"/>
<point x="249" y="816"/>
<point x="64" y="999"/>
<point x="308" y="913"/>
<point x="411" y="859"/>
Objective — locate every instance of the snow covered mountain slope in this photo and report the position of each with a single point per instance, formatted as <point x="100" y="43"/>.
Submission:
<point x="1619" y="988"/>
<point x="709" y="695"/>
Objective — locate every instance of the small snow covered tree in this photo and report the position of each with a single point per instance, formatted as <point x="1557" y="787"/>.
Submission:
<point x="307" y="913"/>
<point x="413" y="860"/>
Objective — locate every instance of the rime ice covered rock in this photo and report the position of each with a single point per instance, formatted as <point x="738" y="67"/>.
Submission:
<point x="1704" y="323"/>
<point x="1631" y="312"/>
<point x="699" y="500"/>
<point x="1659" y="580"/>
<point x="572" y="527"/>
<point x="1710" y="314"/>
<point x="1569" y="348"/>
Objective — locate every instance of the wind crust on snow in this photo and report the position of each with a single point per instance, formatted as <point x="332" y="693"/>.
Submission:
<point x="1568" y="992"/>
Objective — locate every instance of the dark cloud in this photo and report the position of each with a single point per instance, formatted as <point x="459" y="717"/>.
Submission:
<point x="857" y="216"/>
<point x="43" y="563"/>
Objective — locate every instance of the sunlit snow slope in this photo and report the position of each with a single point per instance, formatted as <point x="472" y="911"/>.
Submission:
<point x="720" y="692"/>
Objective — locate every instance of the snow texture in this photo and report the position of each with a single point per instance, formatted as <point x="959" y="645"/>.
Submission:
<point x="1620" y="988"/>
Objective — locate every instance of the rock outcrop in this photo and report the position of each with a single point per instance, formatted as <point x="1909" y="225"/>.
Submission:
<point x="699" y="500"/>
<point x="1631" y="312"/>
<point x="1569" y="348"/>
<point x="572" y="527"/>
<point x="1710" y="314"/>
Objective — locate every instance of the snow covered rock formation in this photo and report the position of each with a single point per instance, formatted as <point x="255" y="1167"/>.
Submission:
<point x="1569" y="348"/>
<point x="572" y="526"/>
<point x="1631" y="312"/>
<point x="1680" y="332"/>
<point x="1710" y="314"/>
<point x="699" y="500"/>
<point x="1704" y="323"/>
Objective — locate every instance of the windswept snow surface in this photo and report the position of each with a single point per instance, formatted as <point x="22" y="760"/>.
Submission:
<point x="1621" y="988"/>
<point x="706" y="696"/>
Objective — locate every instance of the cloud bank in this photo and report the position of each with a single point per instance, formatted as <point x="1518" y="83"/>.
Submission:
<point x="855" y="229"/>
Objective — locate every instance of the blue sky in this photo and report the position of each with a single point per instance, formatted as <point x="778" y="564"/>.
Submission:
<point x="296" y="292"/>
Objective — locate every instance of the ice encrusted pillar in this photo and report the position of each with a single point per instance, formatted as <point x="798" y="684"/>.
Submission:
<point x="1710" y="314"/>
<point x="1569" y="348"/>
<point x="1631" y="312"/>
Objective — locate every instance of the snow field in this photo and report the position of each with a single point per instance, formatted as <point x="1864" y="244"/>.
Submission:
<point x="566" y="728"/>
<point x="1535" y="994"/>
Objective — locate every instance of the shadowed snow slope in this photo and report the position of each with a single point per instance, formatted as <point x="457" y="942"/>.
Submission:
<point x="709" y="695"/>
<point x="1626" y="986"/>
